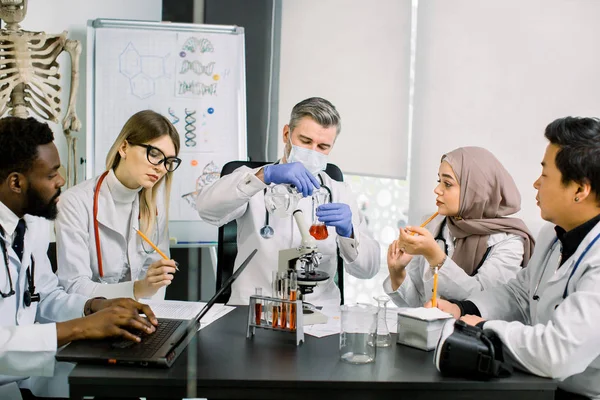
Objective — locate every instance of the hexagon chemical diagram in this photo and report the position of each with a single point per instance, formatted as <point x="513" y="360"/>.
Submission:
<point x="141" y="70"/>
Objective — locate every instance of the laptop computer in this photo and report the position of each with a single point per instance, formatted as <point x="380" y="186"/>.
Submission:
<point x="159" y="349"/>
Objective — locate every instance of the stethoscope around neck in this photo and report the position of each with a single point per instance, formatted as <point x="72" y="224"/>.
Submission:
<point x="536" y="297"/>
<point x="97" y="229"/>
<point x="440" y="237"/>
<point x="29" y="296"/>
<point x="267" y="230"/>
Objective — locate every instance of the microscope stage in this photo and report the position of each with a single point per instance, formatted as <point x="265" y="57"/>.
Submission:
<point x="315" y="276"/>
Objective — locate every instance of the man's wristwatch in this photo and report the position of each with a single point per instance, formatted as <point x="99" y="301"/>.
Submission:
<point x="87" y="310"/>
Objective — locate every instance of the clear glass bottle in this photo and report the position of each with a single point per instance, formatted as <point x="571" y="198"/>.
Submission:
<point x="384" y="338"/>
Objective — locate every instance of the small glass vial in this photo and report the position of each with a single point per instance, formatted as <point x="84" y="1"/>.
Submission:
<point x="284" y="296"/>
<point x="258" y="306"/>
<point x="293" y="297"/>
<point x="275" y="295"/>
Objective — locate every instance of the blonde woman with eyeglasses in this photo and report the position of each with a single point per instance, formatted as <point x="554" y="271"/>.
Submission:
<point x="99" y="253"/>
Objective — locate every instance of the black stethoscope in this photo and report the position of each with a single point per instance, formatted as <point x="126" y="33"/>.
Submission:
<point x="536" y="297"/>
<point x="440" y="237"/>
<point x="267" y="230"/>
<point x="30" y="295"/>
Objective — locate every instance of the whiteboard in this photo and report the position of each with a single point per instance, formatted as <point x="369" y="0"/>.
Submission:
<point x="192" y="74"/>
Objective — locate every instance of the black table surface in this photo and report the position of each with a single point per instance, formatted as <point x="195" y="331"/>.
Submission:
<point x="221" y="363"/>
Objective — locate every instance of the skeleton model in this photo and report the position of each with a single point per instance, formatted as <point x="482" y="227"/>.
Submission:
<point x="29" y="78"/>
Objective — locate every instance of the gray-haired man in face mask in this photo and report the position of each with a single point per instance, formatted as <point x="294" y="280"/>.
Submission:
<point x="309" y="138"/>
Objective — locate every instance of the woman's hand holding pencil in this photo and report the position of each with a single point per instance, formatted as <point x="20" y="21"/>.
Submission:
<point x="159" y="274"/>
<point x="401" y="251"/>
<point x="417" y="240"/>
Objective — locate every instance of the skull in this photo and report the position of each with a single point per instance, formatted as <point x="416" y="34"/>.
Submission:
<point x="13" y="11"/>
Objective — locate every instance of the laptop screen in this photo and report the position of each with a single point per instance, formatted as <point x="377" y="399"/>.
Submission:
<point x="226" y="285"/>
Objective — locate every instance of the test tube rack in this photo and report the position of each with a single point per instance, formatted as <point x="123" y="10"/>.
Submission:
<point x="265" y="318"/>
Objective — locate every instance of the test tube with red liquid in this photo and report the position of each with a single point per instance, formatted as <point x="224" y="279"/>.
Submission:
<point x="258" y="306"/>
<point x="293" y="297"/>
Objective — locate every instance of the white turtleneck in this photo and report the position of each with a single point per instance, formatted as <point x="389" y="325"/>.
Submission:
<point x="123" y="198"/>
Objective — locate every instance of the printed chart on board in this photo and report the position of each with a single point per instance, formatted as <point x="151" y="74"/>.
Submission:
<point x="195" y="79"/>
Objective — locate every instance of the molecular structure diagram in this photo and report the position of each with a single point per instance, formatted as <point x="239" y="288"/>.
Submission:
<point x="141" y="70"/>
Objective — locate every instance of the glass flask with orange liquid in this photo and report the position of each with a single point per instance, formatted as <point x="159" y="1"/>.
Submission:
<point x="318" y="230"/>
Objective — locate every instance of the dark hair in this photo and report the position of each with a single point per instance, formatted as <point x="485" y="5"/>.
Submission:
<point x="19" y="141"/>
<point x="578" y="158"/>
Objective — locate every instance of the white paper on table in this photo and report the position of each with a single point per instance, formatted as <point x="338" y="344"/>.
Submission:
<point x="217" y="311"/>
<point x="426" y="314"/>
<point x="334" y="323"/>
<point x="332" y="327"/>
<point x="174" y="309"/>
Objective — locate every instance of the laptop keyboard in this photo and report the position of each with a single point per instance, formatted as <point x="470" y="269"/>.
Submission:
<point x="150" y="342"/>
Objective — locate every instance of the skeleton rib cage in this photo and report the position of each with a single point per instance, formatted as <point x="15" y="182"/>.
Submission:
<point x="30" y="59"/>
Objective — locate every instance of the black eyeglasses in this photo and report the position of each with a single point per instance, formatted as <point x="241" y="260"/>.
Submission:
<point x="155" y="156"/>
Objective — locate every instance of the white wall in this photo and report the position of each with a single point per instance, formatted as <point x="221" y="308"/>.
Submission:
<point x="54" y="16"/>
<point x="357" y="56"/>
<point x="494" y="74"/>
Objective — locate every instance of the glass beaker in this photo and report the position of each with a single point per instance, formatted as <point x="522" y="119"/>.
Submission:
<point x="359" y="331"/>
<point x="282" y="199"/>
<point x="318" y="230"/>
<point x="384" y="338"/>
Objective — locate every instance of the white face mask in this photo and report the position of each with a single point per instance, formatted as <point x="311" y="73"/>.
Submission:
<point x="313" y="161"/>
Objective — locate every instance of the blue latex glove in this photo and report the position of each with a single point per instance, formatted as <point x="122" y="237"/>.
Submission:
<point x="338" y="215"/>
<point x="293" y="174"/>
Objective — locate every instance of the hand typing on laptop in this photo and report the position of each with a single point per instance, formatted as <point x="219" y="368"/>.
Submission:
<point x="108" y="318"/>
<point x="157" y="348"/>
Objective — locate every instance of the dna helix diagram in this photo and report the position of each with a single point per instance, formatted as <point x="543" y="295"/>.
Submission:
<point x="202" y="45"/>
<point x="197" y="67"/>
<point x="175" y="118"/>
<point x="197" y="88"/>
<point x="190" y="128"/>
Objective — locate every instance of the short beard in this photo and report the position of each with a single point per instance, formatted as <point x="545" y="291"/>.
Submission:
<point x="38" y="208"/>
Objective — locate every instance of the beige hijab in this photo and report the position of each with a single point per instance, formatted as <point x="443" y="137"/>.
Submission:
<point x="487" y="195"/>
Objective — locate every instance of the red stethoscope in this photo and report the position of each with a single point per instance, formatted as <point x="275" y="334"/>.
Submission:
<point x="96" y="229"/>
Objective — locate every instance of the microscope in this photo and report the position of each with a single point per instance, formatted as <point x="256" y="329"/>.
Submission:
<point x="309" y="257"/>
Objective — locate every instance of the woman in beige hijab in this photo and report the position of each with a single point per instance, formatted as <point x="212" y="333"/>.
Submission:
<point x="474" y="243"/>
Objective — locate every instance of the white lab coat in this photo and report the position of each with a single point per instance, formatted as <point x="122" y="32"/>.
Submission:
<point x="502" y="263"/>
<point x="27" y="349"/>
<point x="76" y="244"/>
<point x="240" y="196"/>
<point x="551" y="337"/>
